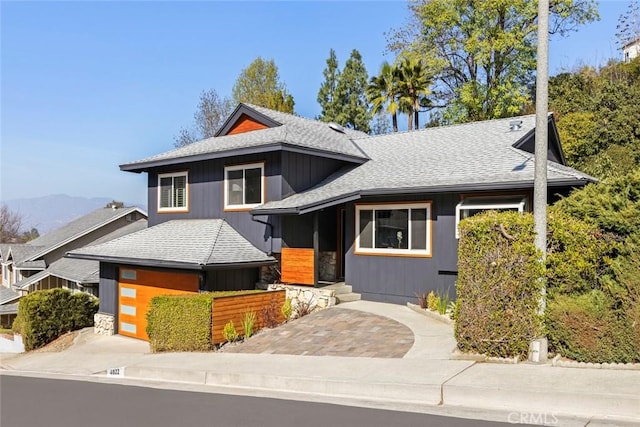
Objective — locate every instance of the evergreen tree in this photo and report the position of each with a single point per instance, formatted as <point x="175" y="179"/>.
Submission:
<point x="351" y="95"/>
<point x="327" y="93"/>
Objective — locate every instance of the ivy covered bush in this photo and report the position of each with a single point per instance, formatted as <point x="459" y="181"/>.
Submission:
<point x="43" y="316"/>
<point x="498" y="288"/>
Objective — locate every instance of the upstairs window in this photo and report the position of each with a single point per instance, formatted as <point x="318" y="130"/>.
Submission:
<point x="173" y="192"/>
<point x="243" y="186"/>
<point x="394" y="229"/>
<point x="471" y="206"/>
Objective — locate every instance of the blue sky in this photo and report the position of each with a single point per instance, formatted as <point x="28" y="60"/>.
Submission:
<point x="86" y="86"/>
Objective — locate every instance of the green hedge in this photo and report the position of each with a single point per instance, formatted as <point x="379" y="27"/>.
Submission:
<point x="498" y="288"/>
<point x="43" y="316"/>
<point x="590" y="328"/>
<point x="180" y="323"/>
<point x="183" y="322"/>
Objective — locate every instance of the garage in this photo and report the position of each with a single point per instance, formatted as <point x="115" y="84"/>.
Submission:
<point x="136" y="288"/>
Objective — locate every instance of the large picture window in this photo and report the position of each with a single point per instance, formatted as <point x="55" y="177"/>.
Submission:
<point x="172" y="192"/>
<point x="471" y="206"/>
<point x="394" y="229"/>
<point x="243" y="186"/>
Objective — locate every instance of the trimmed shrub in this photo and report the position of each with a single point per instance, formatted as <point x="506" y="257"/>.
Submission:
<point x="498" y="285"/>
<point x="180" y="322"/>
<point x="578" y="254"/>
<point x="589" y="328"/>
<point x="43" y="316"/>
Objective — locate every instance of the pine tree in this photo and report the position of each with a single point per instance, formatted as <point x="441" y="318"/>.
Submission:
<point x="351" y="96"/>
<point x="327" y="93"/>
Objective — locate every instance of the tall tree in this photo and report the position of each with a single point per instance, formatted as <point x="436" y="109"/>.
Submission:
<point x="327" y="92"/>
<point x="211" y="113"/>
<point x="383" y="92"/>
<point x="483" y="52"/>
<point x="596" y="117"/>
<point x="628" y="28"/>
<point x="10" y="225"/>
<point x="260" y="84"/>
<point x="414" y="82"/>
<point x="351" y="95"/>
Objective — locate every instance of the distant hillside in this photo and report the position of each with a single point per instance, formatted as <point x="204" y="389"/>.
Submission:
<point x="50" y="212"/>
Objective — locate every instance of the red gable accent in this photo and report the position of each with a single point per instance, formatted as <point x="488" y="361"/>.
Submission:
<point x="245" y="124"/>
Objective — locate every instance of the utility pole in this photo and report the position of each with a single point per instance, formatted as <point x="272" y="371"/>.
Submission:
<point x="538" y="347"/>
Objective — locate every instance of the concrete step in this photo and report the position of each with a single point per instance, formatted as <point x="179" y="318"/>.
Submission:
<point x="351" y="296"/>
<point x="339" y="288"/>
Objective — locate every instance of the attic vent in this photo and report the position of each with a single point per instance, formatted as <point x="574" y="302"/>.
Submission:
<point x="515" y="125"/>
<point x="336" y="127"/>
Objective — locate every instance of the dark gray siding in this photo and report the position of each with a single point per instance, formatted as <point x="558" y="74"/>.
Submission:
<point x="302" y="171"/>
<point x="398" y="279"/>
<point x="297" y="230"/>
<point x="108" y="288"/>
<point x="231" y="280"/>
<point x="206" y="194"/>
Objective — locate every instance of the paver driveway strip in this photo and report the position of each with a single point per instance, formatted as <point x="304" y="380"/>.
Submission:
<point x="335" y="331"/>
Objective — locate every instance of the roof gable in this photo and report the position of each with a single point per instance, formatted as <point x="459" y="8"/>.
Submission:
<point x="76" y="229"/>
<point x="283" y="132"/>
<point x="245" y="119"/>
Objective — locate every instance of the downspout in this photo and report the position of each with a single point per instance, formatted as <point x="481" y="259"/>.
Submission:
<point x="253" y="218"/>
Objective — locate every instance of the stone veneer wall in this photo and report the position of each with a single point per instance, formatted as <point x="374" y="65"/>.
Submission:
<point x="320" y="298"/>
<point x="104" y="324"/>
<point x="327" y="266"/>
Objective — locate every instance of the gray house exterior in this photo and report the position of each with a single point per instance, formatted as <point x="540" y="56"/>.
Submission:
<point x="328" y="204"/>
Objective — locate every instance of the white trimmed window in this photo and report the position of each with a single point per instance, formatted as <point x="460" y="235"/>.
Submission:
<point x="173" y="195"/>
<point x="471" y="206"/>
<point x="243" y="186"/>
<point x="394" y="229"/>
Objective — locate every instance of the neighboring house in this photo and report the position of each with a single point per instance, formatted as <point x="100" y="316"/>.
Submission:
<point x="39" y="264"/>
<point x="326" y="203"/>
<point x="631" y="50"/>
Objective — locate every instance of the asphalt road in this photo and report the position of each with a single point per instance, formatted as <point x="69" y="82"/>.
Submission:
<point x="34" y="402"/>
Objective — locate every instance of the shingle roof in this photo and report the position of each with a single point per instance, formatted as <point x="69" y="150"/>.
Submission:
<point x="193" y="243"/>
<point x="7" y="295"/>
<point x="81" y="270"/>
<point x="71" y="231"/>
<point x="293" y="131"/>
<point x="9" y="308"/>
<point x="476" y="154"/>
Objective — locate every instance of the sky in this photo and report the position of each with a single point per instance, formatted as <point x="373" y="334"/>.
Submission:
<point x="86" y="86"/>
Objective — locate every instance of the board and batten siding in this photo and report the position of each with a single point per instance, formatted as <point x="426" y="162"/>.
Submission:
<point x="397" y="279"/>
<point x="206" y="193"/>
<point x="302" y="171"/>
<point x="108" y="288"/>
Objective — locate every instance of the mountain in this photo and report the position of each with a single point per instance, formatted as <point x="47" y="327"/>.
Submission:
<point x="50" y="212"/>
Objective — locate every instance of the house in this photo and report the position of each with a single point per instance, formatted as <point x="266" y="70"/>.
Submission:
<point x="325" y="203"/>
<point x="39" y="264"/>
<point x="631" y="50"/>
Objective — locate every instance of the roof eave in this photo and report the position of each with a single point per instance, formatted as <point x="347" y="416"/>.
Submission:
<point x="168" y="264"/>
<point x="488" y="186"/>
<point x="276" y="146"/>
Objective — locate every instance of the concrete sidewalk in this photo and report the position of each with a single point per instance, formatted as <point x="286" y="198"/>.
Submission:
<point x="424" y="379"/>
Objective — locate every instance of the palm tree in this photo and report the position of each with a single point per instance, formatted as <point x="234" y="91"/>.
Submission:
<point x="414" y="87"/>
<point x="383" y="92"/>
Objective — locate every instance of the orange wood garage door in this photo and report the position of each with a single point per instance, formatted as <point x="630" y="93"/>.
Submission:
<point x="135" y="290"/>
